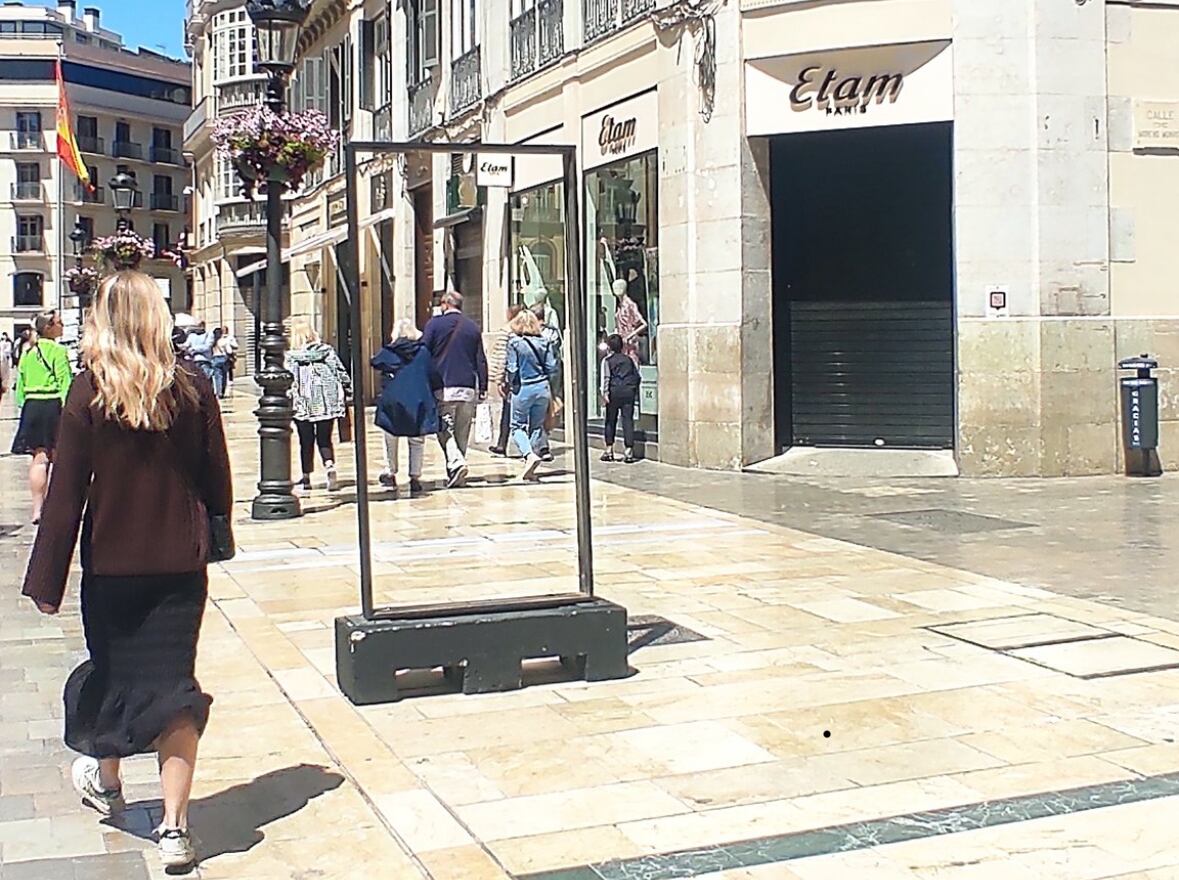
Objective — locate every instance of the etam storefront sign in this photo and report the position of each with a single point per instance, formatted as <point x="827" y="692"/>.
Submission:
<point x="851" y="88"/>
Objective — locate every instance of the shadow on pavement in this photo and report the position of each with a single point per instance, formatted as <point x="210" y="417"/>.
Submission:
<point x="231" y="821"/>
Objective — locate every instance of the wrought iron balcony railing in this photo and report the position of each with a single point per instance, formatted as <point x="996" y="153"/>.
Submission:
<point x="602" y="17"/>
<point x="165" y="202"/>
<point x="93" y="145"/>
<point x="28" y="191"/>
<point x="421" y="106"/>
<point x="127" y="150"/>
<point x="28" y="244"/>
<point x="522" y="36"/>
<point x="166" y="156"/>
<point x="466" y="81"/>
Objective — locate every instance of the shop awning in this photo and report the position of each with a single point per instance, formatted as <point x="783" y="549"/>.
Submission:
<point x="379" y="217"/>
<point x="463" y="215"/>
<point x="306" y="246"/>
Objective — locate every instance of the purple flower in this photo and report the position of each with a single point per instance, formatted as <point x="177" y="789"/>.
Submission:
<point x="259" y="141"/>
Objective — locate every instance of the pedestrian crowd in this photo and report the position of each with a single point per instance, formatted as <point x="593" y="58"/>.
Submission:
<point x="129" y="457"/>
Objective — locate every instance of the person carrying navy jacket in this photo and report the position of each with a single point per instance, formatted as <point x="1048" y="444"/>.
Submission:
<point x="455" y="343"/>
<point x="407" y="407"/>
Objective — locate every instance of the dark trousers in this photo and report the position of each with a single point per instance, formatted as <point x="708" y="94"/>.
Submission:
<point x="624" y="406"/>
<point x="312" y="434"/>
<point x="505" y="423"/>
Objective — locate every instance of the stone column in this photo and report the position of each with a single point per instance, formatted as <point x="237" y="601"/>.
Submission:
<point x="715" y="394"/>
<point x="1036" y="393"/>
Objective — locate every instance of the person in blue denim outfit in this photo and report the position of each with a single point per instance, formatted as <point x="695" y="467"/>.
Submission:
<point x="531" y="362"/>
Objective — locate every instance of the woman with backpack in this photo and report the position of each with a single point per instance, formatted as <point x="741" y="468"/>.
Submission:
<point x="531" y="362"/>
<point x="620" y="392"/>
<point x="319" y="392"/>
<point x="43" y="378"/>
<point x="407" y="407"/>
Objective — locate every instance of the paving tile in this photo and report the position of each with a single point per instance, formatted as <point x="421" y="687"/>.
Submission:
<point x="1112" y="656"/>
<point x="420" y="819"/>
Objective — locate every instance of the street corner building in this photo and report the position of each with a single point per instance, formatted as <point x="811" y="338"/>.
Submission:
<point x="931" y="225"/>
<point x="127" y="110"/>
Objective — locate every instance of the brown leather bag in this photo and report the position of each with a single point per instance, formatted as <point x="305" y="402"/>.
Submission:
<point x="346" y="423"/>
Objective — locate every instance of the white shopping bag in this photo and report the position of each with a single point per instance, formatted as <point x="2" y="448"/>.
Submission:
<point x="483" y="423"/>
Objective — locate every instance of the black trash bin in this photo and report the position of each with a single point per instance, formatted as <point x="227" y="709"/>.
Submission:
<point x="1140" y="417"/>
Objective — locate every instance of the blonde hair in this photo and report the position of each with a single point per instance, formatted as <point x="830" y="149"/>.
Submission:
<point x="525" y="324"/>
<point x="405" y="328"/>
<point x="303" y="333"/>
<point x="127" y="345"/>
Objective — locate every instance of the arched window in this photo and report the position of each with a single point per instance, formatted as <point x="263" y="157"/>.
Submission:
<point x="27" y="289"/>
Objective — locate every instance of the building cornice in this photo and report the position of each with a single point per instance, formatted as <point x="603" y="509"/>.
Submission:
<point x="324" y="16"/>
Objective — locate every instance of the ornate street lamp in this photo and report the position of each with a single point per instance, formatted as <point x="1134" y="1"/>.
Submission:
<point x="277" y="23"/>
<point x="123" y="189"/>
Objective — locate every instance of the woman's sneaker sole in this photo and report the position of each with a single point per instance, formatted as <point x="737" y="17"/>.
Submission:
<point x="85" y="778"/>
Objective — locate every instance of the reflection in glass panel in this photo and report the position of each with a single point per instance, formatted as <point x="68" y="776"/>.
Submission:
<point x="622" y="273"/>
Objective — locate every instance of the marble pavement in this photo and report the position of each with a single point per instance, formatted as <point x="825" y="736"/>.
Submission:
<point x="812" y="708"/>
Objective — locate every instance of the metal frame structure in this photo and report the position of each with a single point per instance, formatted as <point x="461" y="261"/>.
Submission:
<point x="577" y="409"/>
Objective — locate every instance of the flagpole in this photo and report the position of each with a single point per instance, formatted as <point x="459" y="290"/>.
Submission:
<point x="61" y="228"/>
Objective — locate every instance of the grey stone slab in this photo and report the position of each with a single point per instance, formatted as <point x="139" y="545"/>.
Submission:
<point x="108" y="866"/>
<point x="1020" y="631"/>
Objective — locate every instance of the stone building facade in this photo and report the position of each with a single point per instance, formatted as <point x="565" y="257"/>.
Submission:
<point x="128" y="109"/>
<point x="932" y="224"/>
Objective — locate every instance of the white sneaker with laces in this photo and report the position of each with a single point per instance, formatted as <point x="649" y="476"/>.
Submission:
<point x="175" y="847"/>
<point x="333" y="478"/>
<point x="86" y="782"/>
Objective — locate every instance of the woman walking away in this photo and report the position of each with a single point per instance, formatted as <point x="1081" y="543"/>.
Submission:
<point x="620" y="391"/>
<point x="407" y="407"/>
<point x="531" y="362"/>
<point x="43" y="379"/>
<point x="320" y="392"/>
<point x="142" y="468"/>
<point x="220" y="362"/>
<point x="498" y="379"/>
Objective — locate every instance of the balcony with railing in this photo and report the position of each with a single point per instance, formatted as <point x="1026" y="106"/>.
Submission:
<point x="165" y="202"/>
<point x="93" y="145"/>
<point x="28" y="244"/>
<point x="522" y="35"/>
<point x="602" y="17"/>
<point x="383" y="123"/>
<point x="197" y="118"/>
<point x="235" y="96"/>
<point x="537" y="37"/>
<point x="241" y="217"/>
<point x="466" y="81"/>
<point x="27" y="140"/>
<point x="421" y="105"/>
<point x="28" y="191"/>
<point x="97" y="196"/>
<point x="127" y="150"/>
<point x="166" y="156"/>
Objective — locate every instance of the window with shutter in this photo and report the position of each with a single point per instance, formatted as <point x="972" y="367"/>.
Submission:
<point x="368" y="65"/>
<point x="429" y="34"/>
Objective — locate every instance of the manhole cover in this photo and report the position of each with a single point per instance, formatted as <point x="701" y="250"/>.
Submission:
<point x="953" y="522"/>
<point x="647" y="631"/>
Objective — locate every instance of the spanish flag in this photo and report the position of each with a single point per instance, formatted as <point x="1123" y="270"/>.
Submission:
<point x="67" y="144"/>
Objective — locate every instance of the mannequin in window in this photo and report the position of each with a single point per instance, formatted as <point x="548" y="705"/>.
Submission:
<point x="629" y="322"/>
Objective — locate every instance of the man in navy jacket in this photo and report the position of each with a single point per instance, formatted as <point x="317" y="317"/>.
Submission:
<point x="456" y="345"/>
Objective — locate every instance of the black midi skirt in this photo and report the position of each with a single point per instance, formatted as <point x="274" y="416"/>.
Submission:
<point x="141" y="633"/>
<point x="39" y="420"/>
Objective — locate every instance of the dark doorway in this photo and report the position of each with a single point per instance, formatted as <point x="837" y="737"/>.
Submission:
<point x="423" y="212"/>
<point x="864" y="287"/>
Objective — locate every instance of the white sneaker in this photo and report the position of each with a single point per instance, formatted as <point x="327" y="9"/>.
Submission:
<point x="86" y="782"/>
<point x="175" y="847"/>
<point x="333" y="479"/>
<point x="531" y="463"/>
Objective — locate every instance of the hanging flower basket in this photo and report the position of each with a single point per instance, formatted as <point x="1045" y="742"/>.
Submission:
<point x="123" y="250"/>
<point x="265" y="146"/>
<point x="83" y="281"/>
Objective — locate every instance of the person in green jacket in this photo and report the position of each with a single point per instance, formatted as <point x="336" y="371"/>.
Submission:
<point x="42" y="382"/>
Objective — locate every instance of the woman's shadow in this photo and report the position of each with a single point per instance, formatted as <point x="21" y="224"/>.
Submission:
<point x="231" y="821"/>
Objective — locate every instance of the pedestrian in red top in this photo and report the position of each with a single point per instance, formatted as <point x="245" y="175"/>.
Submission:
<point x="141" y="468"/>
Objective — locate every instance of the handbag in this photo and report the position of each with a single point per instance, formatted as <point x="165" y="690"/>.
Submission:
<point x="221" y="545"/>
<point x="346" y="423"/>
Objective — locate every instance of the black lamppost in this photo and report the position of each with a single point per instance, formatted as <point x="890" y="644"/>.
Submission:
<point x="123" y="190"/>
<point x="277" y="23"/>
<point x="79" y="239"/>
